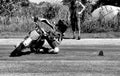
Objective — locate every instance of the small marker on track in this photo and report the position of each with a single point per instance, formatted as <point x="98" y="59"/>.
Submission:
<point x="101" y="53"/>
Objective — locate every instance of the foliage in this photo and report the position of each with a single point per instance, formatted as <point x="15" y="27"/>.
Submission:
<point x="108" y="2"/>
<point x="49" y="11"/>
<point x="21" y="17"/>
<point x="18" y="18"/>
<point x="7" y="7"/>
<point x="101" y="26"/>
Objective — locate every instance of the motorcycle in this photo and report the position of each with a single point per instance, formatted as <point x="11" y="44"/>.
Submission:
<point x="36" y="39"/>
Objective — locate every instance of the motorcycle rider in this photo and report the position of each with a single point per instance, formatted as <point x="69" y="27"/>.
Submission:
<point x="50" y="38"/>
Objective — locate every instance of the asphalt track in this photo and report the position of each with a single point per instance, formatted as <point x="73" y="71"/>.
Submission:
<point x="76" y="58"/>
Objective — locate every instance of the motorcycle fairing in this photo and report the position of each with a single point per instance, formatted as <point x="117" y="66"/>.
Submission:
<point x="27" y="42"/>
<point x="34" y="35"/>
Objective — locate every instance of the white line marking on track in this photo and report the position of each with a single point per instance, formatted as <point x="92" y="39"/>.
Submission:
<point x="115" y="41"/>
<point x="49" y="61"/>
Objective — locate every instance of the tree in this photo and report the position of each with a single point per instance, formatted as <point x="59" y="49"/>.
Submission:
<point x="106" y="2"/>
<point x="7" y="7"/>
<point x="49" y="11"/>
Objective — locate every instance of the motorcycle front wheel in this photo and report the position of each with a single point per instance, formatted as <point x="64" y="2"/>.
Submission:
<point x="18" y="50"/>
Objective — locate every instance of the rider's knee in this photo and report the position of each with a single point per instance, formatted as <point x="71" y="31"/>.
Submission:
<point x="56" y="49"/>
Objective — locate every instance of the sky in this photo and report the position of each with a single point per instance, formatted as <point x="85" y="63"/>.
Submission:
<point x="51" y="1"/>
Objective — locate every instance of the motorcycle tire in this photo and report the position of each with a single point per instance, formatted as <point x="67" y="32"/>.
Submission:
<point x="17" y="51"/>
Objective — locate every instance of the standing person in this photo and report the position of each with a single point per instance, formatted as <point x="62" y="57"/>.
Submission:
<point x="74" y="16"/>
